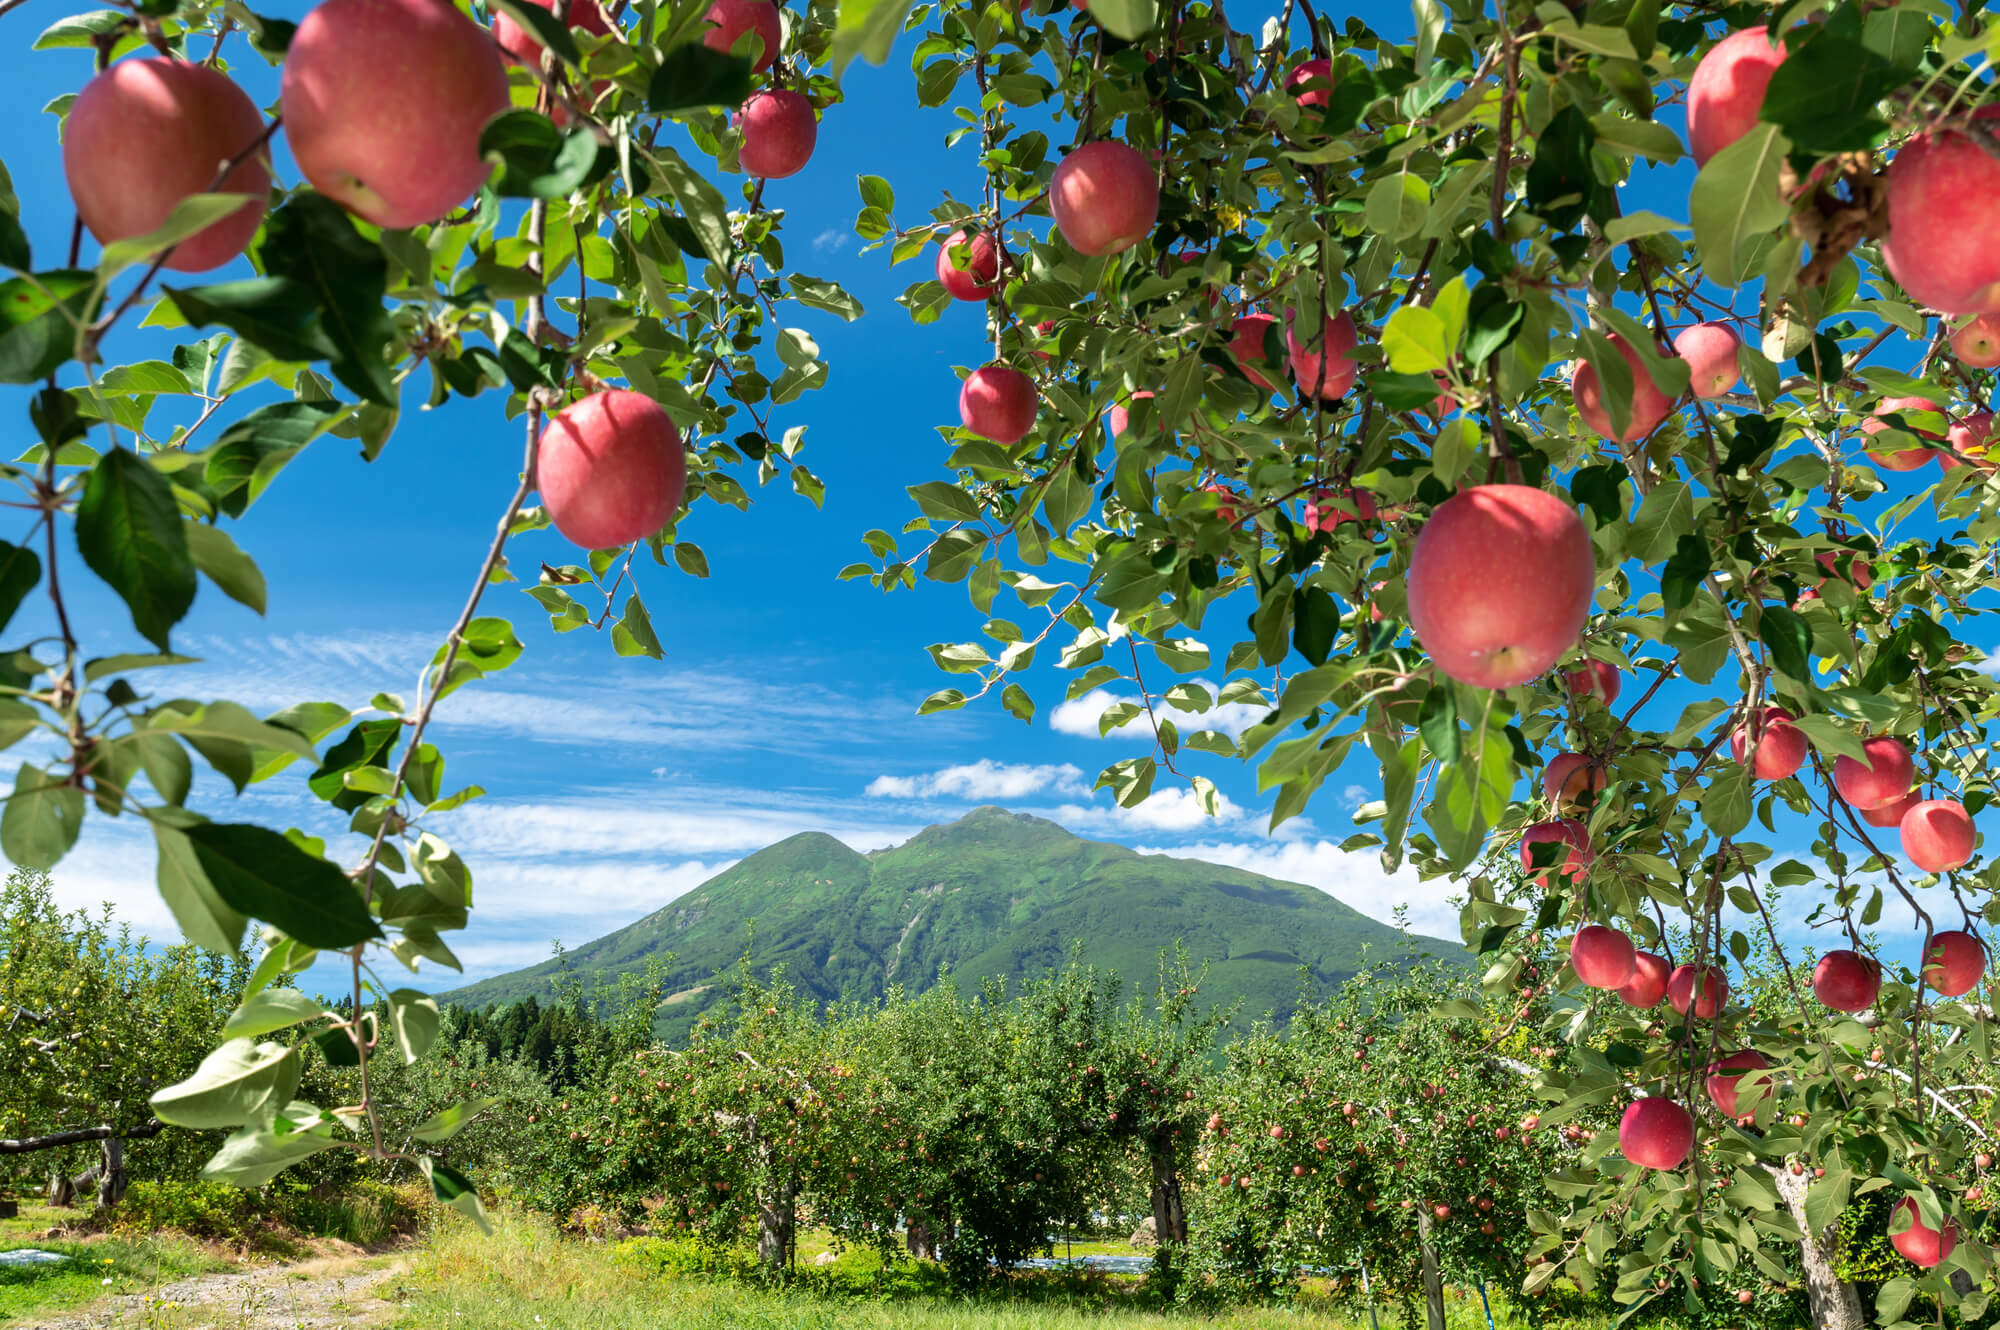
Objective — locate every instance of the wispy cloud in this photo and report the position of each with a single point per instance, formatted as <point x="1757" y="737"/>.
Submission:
<point x="830" y="240"/>
<point x="983" y="780"/>
<point x="1081" y="716"/>
<point x="1175" y="808"/>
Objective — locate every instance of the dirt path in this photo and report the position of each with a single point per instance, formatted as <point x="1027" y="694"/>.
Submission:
<point x="315" y="1295"/>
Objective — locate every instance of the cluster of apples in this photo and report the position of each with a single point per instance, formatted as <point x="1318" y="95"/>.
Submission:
<point x="147" y="133"/>
<point x="1105" y="198"/>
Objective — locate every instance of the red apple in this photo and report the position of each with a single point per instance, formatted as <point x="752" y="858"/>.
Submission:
<point x="998" y="403"/>
<point x="1602" y="957"/>
<point x="1119" y="417"/>
<point x="1920" y="1244"/>
<point x="1650" y="406"/>
<point x="1323" y="366"/>
<point x="1329" y="508"/>
<point x="1215" y="1122"/>
<point x="1277" y="1132"/>
<point x="1500" y="583"/>
<point x="1597" y="678"/>
<point x="1648" y="983"/>
<point x="1710" y="351"/>
<point x="1781" y="746"/>
<point x="1976" y="342"/>
<point x="611" y="469"/>
<point x="1311" y="84"/>
<point x="146" y="134"/>
<point x="1884" y="778"/>
<point x="968" y="268"/>
<point x="1656" y="1133"/>
<point x="779" y="133"/>
<point x="384" y="101"/>
<point x="1907" y="459"/>
<point x="1937" y="835"/>
<point x="732" y="18"/>
<point x="1860" y="573"/>
<point x="1226" y="508"/>
<point x="1967" y="440"/>
<point x="1891" y="814"/>
<point x="1847" y="980"/>
<point x="1943" y="245"/>
<point x="1569" y="777"/>
<point x="1954" y="963"/>
<point x="1568" y="864"/>
<point x="1105" y="197"/>
<point x="521" y="47"/>
<point x="1681" y="991"/>
<point x="1246" y="347"/>
<point x="1727" y="88"/>
<point x="1724" y="1088"/>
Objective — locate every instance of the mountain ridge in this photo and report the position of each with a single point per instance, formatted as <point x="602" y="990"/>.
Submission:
<point x="995" y="894"/>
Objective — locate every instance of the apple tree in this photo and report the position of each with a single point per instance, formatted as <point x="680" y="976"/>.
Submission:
<point x="1572" y="421"/>
<point x="565" y="221"/>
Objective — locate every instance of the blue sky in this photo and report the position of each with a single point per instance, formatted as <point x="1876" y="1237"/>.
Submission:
<point x="786" y="702"/>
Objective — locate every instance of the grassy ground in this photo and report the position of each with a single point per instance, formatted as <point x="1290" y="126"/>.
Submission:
<point x="100" y="1266"/>
<point x="526" y="1275"/>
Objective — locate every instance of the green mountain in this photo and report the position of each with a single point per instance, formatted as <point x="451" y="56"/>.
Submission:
<point x="993" y="894"/>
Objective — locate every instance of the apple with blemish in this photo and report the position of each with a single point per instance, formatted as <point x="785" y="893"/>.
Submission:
<point x="1976" y="342"/>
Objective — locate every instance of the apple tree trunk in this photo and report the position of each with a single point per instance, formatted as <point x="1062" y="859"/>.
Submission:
<point x="1834" y="1303"/>
<point x="1169" y="1214"/>
<point x="1433" y="1278"/>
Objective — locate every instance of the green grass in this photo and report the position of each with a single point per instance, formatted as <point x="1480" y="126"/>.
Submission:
<point x="528" y="1275"/>
<point x="100" y="1267"/>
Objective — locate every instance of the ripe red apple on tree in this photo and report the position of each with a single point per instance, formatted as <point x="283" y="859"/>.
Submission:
<point x="779" y="133"/>
<point x="1847" y="980"/>
<point x="1710" y="351"/>
<point x="1781" y="746"/>
<point x="148" y="133"/>
<point x="1329" y="508"/>
<point x="732" y="18"/>
<point x="1105" y="197"/>
<point x="969" y="268"/>
<point x="1650" y="406"/>
<point x="1907" y="459"/>
<point x="1656" y="1133"/>
<point x="1725" y="1082"/>
<point x="1568" y="863"/>
<point x="1595" y="678"/>
<point x="1323" y="366"/>
<point x="1500" y="583"/>
<point x="1648" y="983"/>
<point x="998" y="402"/>
<point x="1681" y="991"/>
<point x="1937" y="835"/>
<point x="1311" y="84"/>
<point x="520" y="46"/>
<point x="1976" y="342"/>
<point x="1246" y="347"/>
<point x="1884" y="778"/>
<point x="1890" y="814"/>
<point x="1919" y="1243"/>
<point x="1954" y="963"/>
<point x="1727" y="89"/>
<point x="1967" y="440"/>
<point x="360" y="74"/>
<point x="1859" y="574"/>
<point x="1119" y="417"/>
<point x="1225" y="508"/>
<point x="1602" y="957"/>
<point x="1943" y="244"/>
<point x="1569" y="778"/>
<point x="611" y="469"/>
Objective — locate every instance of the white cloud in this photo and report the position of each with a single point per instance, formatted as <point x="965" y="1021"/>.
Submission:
<point x="1080" y="716"/>
<point x="830" y="239"/>
<point x="1170" y="809"/>
<point x="1353" y="877"/>
<point x="983" y="780"/>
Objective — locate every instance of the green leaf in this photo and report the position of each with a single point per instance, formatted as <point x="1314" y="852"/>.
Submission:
<point x="1789" y="639"/>
<point x="196" y="212"/>
<point x="250" y="453"/>
<point x="1823" y="95"/>
<point x="700" y="200"/>
<point x="131" y="533"/>
<point x="1725" y="804"/>
<point x="266" y="876"/>
<point x="40" y="318"/>
<point x="20" y="573"/>
<point x="1414" y="340"/>
<point x="15" y="252"/>
<point x="272" y="1009"/>
<point x="237" y="1083"/>
<point x="313" y="242"/>
<point x="279" y="314"/>
<point x="1827" y="1198"/>
<point x="815" y="293"/>
<point x="251" y="1156"/>
<point x="82" y="30"/>
<point x="1492" y="321"/>
<point x="537" y="160"/>
<point x="633" y="634"/>
<point x="205" y="919"/>
<point x="444" y="1125"/>
<point x="549" y="30"/>
<point x="234" y="573"/>
<point x="866" y="28"/>
<point x="415" y="1018"/>
<point x="368" y="744"/>
<point x="694" y="75"/>
<point x="41" y="820"/>
<point x="1127" y="20"/>
<point x="1735" y="200"/>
